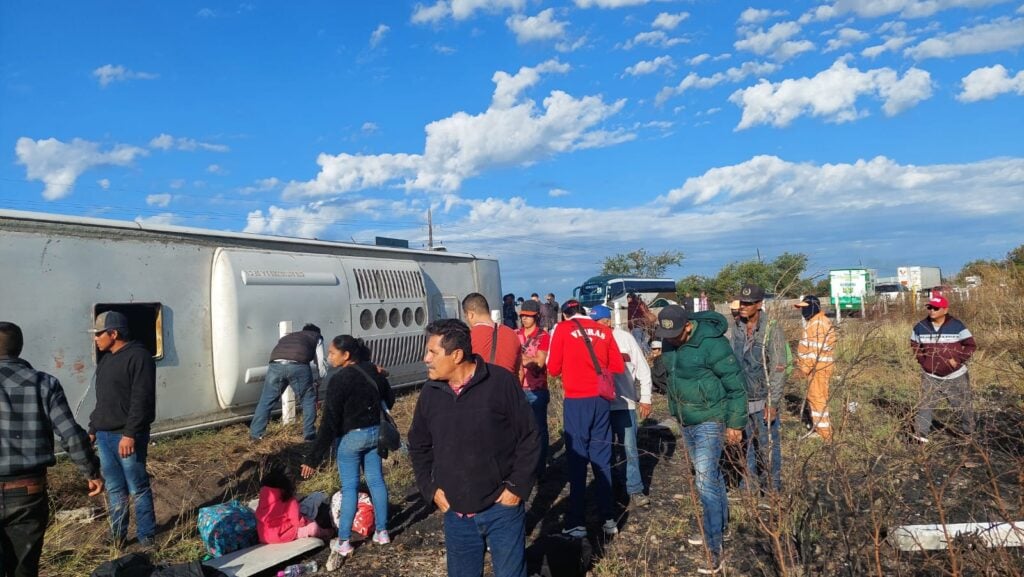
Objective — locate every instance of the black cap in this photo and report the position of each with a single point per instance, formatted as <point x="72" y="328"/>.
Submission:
<point x="108" y="321"/>
<point x="530" y="307"/>
<point x="751" y="293"/>
<point x="671" y="322"/>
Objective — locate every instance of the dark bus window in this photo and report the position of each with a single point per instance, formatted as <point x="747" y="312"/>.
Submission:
<point x="145" y="321"/>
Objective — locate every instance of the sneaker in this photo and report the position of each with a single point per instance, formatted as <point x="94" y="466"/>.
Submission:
<point x="696" y="539"/>
<point x="610" y="527"/>
<point x="338" y="554"/>
<point x="919" y="440"/>
<point x="578" y="532"/>
<point x="639" y="500"/>
<point x="381" y="537"/>
<point x="717" y="567"/>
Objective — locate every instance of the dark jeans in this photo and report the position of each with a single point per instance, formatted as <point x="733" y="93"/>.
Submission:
<point x="126" y="479"/>
<point x="300" y="378"/>
<point x="501" y="528"/>
<point x="957" y="391"/>
<point x="588" y="438"/>
<point x="764" y="453"/>
<point x="539" y="400"/>
<point x="22" y="525"/>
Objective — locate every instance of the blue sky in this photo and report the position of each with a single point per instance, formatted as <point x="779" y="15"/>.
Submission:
<point x="548" y="134"/>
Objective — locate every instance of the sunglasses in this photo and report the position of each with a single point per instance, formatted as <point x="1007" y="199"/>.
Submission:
<point x="931" y="308"/>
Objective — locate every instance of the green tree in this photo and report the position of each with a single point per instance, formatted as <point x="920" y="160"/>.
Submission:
<point x="980" y="268"/>
<point x="1016" y="256"/>
<point x="640" y="263"/>
<point x="782" y="276"/>
<point x="692" y="285"/>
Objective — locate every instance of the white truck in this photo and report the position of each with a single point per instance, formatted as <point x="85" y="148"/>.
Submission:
<point x="919" y="278"/>
<point x="849" y="288"/>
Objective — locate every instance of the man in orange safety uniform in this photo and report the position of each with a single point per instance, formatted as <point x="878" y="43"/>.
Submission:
<point x="814" y="360"/>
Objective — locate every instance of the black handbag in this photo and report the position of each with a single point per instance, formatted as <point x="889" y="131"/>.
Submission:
<point x="388" y="437"/>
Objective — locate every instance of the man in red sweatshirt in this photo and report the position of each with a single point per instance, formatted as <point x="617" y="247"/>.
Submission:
<point x="588" y="435"/>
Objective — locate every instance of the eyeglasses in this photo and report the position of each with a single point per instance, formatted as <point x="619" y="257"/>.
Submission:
<point x="931" y="308"/>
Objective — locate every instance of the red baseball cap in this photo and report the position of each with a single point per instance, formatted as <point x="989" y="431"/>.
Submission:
<point x="939" y="302"/>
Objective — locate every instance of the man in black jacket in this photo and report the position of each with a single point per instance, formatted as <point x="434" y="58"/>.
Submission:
<point x="474" y="449"/>
<point x="119" y="425"/>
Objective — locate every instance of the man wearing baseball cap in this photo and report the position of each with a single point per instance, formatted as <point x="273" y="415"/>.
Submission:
<point x="814" y="357"/>
<point x="942" y="345"/>
<point x="534" y="342"/>
<point x="119" y="425"/>
<point x="707" y="394"/>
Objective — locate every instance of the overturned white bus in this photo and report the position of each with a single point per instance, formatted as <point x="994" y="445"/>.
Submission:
<point x="208" y="304"/>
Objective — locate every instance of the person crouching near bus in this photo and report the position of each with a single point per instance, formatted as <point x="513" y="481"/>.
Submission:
<point x="586" y="414"/>
<point x="34" y="407"/>
<point x="707" y="394"/>
<point x="351" y="414"/>
<point x="291" y="366"/>
<point x="535" y="343"/>
<point x="473" y="446"/>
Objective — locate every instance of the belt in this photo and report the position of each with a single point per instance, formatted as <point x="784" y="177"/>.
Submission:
<point x="32" y="485"/>
<point x="284" y="362"/>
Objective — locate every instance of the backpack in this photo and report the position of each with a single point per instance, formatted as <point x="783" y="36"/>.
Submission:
<point x="790" y="365"/>
<point x="227" y="527"/>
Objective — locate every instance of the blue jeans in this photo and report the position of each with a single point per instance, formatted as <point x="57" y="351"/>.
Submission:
<point x="588" y="438"/>
<point x="126" y="479"/>
<point x="501" y="528"/>
<point x="300" y="378"/>
<point x="760" y="461"/>
<point x="623" y="423"/>
<point x="704" y="445"/>
<point x="539" y="403"/>
<point x="641" y="339"/>
<point x="359" y="447"/>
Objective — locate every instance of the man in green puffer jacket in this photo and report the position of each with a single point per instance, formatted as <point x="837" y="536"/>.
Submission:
<point x="708" y="394"/>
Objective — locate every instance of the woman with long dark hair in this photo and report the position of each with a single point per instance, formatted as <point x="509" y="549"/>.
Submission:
<point x="352" y="416"/>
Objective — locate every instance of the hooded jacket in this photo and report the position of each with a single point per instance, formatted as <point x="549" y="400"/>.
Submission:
<point x="475" y="444"/>
<point x="705" y="382"/>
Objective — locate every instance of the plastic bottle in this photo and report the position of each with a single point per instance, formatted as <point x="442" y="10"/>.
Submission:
<point x="298" y="569"/>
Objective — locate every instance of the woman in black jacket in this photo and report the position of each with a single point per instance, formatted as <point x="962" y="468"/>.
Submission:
<point x="351" y="416"/>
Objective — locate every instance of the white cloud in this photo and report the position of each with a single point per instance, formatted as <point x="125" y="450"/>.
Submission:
<point x="756" y="16"/>
<point x="167" y="142"/>
<point x="846" y="37"/>
<point x="216" y="169"/>
<point x="59" y="164"/>
<point x="650" y="66"/>
<point x="653" y="38"/>
<point x="831" y="94"/>
<point x="162" y="219"/>
<point x="905" y="8"/>
<point x="775" y="41"/>
<point x="571" y="46"/>
<point x="609" y="3"/>
<point x="378" y="35"/>
<point x="989" y="82"/>
<point x="444" y="50"/>
<point x="461" y="9"/>
<point x="161" y="200"/>
<point x="696" y="60"/>
<point x="369" y="128"/>
<point x="104" y="183"/>
<point x="537" y="28"/>
<point x="109" y="73"/>
<point x="261" y="185"/>
<point x="177" y="183"/>
<point x="667" y="21"/>
<point x="1000" y="34"/>
<point x="557" y="192"/>
<point x="734" y="74"/>
<point x="513" y="131"/>
<point x="892" y="44"/>
<point x="206" y="13"/>
<point x="315" y="219"/>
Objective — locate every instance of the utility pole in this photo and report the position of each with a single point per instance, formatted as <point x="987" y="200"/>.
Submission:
<point x="430" y="229"/>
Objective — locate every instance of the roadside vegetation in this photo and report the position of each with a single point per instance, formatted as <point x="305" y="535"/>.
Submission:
<point x="839" y="504"/>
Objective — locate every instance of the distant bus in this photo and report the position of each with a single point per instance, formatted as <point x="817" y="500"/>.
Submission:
<point x="608" y="289"/>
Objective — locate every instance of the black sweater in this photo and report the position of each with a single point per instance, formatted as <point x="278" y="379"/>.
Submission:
<point x="125" y="391"/>
<point x="352" y="403"/>
<point x="476" y="444"/>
